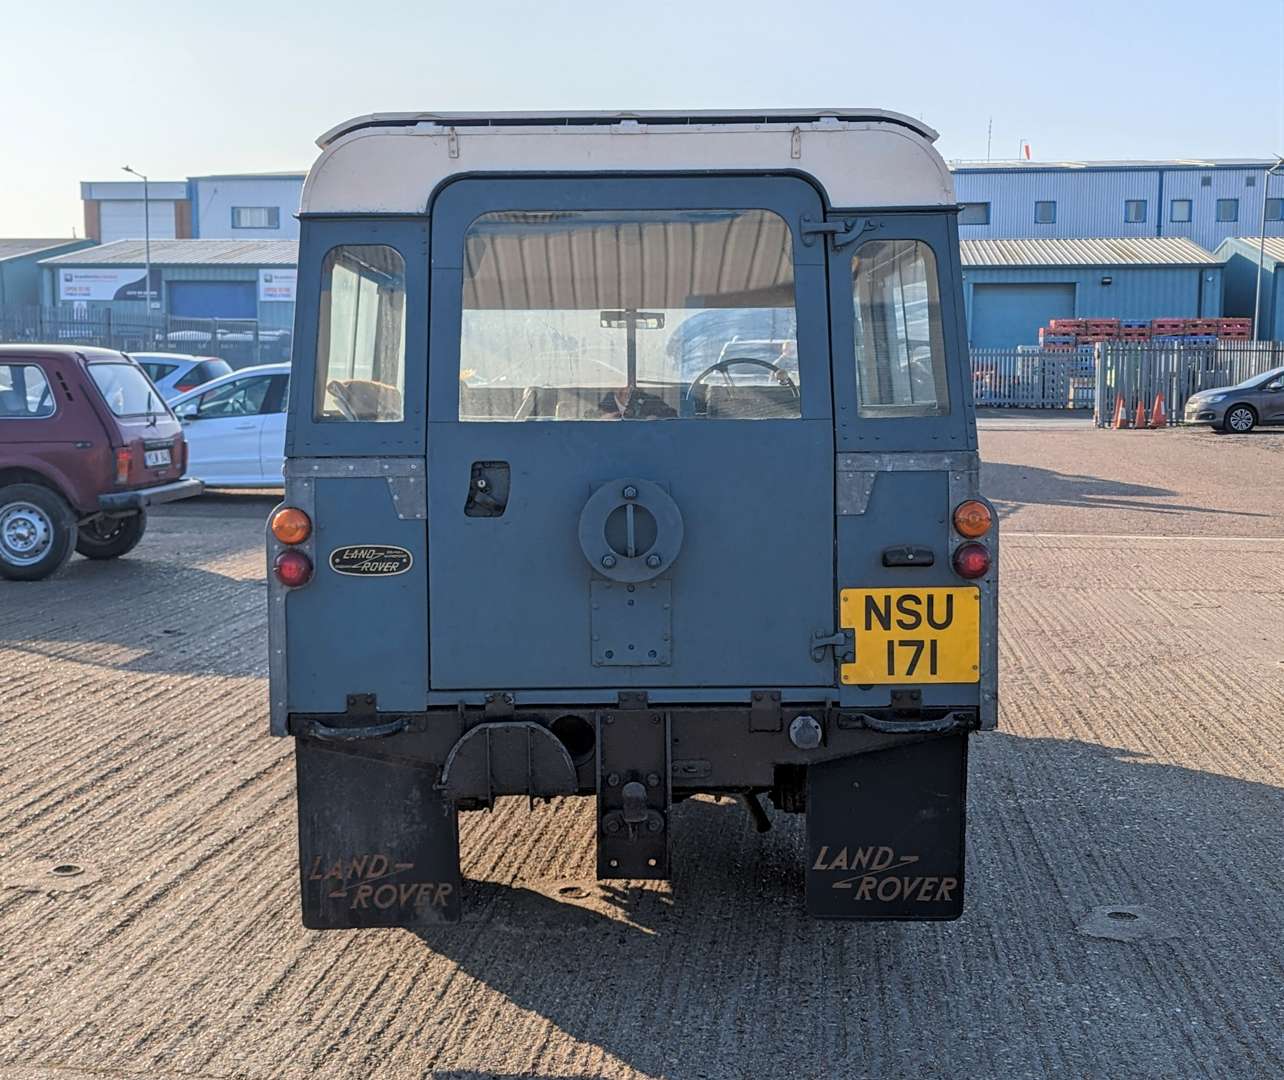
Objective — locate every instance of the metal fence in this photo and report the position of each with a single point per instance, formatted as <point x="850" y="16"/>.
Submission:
<point x="1137" y="375"/>
<point x="1096" y="377"/>
<point x="241" y="342"/>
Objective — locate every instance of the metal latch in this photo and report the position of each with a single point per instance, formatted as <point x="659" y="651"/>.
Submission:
<point x="843" y="643"/>
<point x="840" y="233"/>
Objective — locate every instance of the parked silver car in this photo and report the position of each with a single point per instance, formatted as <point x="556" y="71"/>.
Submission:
<point x="1239" y="409"/>
<point x="177" y="373"/>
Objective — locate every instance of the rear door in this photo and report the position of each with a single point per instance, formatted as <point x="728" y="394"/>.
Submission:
<point x="272" y="431"/>
<point x="223" y="436"/>
<point x="630" y="439"/>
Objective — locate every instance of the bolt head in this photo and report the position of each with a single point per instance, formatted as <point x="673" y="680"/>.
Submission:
<point x="613" y="780"/>
<point x="630" y="492"/>
<point x="653" y="825"/>
<point x="653" y="560"/>
<point x="612" y="826"/>
<point x="608" y="561"/>
<point x="652" y="779"/>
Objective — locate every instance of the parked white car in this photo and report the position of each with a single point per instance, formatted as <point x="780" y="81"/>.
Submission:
<point x="235" y="427"/>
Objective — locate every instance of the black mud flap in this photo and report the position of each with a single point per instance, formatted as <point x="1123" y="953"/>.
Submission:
<point x="885" y="833"/>
<point x="378" y="844"/>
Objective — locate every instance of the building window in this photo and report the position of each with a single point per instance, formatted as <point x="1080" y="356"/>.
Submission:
<point x="1205" y="181"/>
<point x="1275" y="209"/>
<point x="1045" y="212"/>
<point x="975" y="213"/>
<point x="1134" y="210"/>
<point x="1180" y="210"/>
<point x="256" y="217"/>
<point x="1227" y="209"/>
<point x="1250" y="180"/>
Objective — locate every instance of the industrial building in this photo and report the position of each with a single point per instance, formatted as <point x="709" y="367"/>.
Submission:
<point x="1241" y="258"/>
<point x="1203" y="201"/>
<point x="1012" y="287"/>
<point x="233" y="206"/>
<point x="197" y="279"/>
<point x="20" y="267"/>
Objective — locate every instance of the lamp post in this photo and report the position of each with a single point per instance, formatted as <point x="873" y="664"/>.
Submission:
<point x="147" y="237"/>
<point x="1261" y="251"/>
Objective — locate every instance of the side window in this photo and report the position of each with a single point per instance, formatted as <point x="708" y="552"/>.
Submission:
<point x="1227" y="209"/>
<point x="361" y="341"/>
<point x="628" y="315"/>
<point x="156" y="371"/>
<point x="241" y="397"/>
<point x="975" y="213"/>
<point x="1134" y="211"/>
<point x="1045" y="212"/>
<point x="24" y="393"/>
<point x="1180" y="210"/>
<point x="900" y="346"/>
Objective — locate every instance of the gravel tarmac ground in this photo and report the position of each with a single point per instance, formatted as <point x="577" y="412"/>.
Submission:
<point x="1124" y="912"/>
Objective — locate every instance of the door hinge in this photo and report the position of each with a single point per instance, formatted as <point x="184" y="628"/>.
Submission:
<point x="843" y="643"/>
<point x="840" y="233"/>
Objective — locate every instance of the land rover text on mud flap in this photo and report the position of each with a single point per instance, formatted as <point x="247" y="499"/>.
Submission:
<point x="631" y="456"/>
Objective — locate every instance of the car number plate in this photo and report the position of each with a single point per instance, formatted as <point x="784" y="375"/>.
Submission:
<point x="155" y="458"/>
<point x="913" y="635"/>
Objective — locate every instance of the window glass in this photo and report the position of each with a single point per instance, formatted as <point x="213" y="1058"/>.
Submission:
<point x="24" y="392"/>
<point x="1134" y="210"/>
<point x="900" y="350"/>
<point x="1179" y="210"/>
<point x="361" y="344"/>
<point x="126" y="389"/>
<point x="256" y="217"/>
<point x="628" y="315"/>
<point x="1045" y="212"/>
<point x="1227" y="209"/>
<point x="240" y="397"/>
<point x="975" y="213"/>
<point x="1274" y="209"/>
<point x="155" y="370"/>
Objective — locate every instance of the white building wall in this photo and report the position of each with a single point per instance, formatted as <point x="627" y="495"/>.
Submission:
<point x="215" y="197"/>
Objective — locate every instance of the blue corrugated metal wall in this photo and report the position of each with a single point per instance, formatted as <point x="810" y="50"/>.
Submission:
<point x="1090" y="201"/>
<point x="1241" y="286"/>
<point x="1145" y="292"/>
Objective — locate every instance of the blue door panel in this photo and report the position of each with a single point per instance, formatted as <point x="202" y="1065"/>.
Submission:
<point x="359" y="635"/>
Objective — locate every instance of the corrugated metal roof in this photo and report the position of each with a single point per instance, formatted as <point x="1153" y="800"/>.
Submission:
<point x="1166" y="163"/>
<point x="1097" y="251"/>
<point x="1274" y="247"/>
<point x="186" y="253"/>
<point x="11" y="249"/>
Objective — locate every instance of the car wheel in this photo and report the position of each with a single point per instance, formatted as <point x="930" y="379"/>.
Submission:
<point x="1239" y="419"/>
<point x="37" y="532"/>
<point x="110" y="538"/>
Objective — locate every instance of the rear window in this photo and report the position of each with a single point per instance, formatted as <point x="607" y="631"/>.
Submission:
<point x="361" y="344"/>
<point x="125" y="389"/>
<point x="206" y="371"/>
<point x="900" y="347"/>
<point x="629" y="315"/>
<point x="156" y="371"/>
<point x="24" y="392"/>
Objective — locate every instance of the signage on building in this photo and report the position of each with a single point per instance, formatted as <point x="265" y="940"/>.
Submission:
<point x="106" y="283"/>
<point x="277" y="285"/>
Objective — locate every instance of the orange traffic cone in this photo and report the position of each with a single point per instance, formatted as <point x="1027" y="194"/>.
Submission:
<point x="1121" y="417"/>
<point x="1139" y="421"/>
<point x="1159" y="415"/>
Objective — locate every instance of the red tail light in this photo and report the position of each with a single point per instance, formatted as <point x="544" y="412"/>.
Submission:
<point x="182" y="388"/>
<point x="971" y="560"/>
<point x="124" y="458"/>
<point x="293" y="568"/>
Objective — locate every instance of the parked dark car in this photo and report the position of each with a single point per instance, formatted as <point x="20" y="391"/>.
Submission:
<point x="86" y="445"/>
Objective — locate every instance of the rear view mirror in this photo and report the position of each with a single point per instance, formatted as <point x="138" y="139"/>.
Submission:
<point x="187" y="410"/>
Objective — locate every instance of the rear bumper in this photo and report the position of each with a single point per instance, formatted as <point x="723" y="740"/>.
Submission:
<point x="141" y="497"/>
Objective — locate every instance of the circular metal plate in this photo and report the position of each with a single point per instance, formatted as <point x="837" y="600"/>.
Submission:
<point x="644" y="535"/>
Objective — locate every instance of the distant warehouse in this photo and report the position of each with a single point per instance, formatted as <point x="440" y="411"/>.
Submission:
<point x="195" y="279"/>
<point x="1013" y="287"/>
<point x="1243" y="258"/>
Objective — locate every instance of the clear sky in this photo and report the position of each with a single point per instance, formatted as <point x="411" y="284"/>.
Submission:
<point x="176" y="88"/>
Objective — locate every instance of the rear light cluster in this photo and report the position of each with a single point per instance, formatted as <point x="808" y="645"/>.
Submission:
<point x="124" y="458"/>
<point x="291" y="526"/>
<point x="972" y="519"/>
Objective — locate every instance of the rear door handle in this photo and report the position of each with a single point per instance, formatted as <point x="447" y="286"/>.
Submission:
<point x="243" y="427"/>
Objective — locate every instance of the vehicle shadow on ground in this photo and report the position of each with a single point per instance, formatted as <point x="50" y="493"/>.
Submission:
<point x="1010" y="487"/>
<point x="727" y="976"/>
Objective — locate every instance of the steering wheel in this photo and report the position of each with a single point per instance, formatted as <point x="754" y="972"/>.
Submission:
<point x="340" y="394"/>
<point x="778" y="374"/>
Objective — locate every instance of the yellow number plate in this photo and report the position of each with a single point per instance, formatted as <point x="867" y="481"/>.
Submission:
<point x="913" y="635"/>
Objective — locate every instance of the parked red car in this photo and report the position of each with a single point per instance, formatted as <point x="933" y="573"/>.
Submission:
<point x="86" y="445"/>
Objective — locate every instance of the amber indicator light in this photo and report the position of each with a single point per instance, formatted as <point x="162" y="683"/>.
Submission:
<point x="972" y="519"/>
<point x="291" y="525"/>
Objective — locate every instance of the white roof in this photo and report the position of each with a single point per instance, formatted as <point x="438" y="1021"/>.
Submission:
<point x="1086" y="251"/>
<point x="392" y="162"/>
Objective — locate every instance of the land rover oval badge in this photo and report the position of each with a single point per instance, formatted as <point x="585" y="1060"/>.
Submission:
<point x="370" y="560"/>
